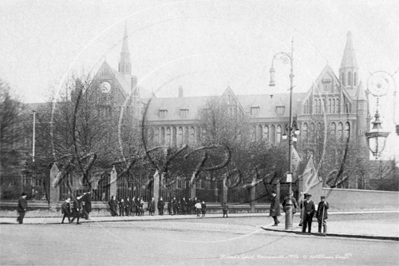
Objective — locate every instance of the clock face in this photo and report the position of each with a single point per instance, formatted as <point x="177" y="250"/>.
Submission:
<point x="105" y="87"/>
<point x="378" y="83"/>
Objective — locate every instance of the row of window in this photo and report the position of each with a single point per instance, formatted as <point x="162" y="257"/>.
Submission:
<point x="172" y="136"/>
<point x="164" y="113"/>
<point x="273" y="133"/>
<point x="349" y="79"/>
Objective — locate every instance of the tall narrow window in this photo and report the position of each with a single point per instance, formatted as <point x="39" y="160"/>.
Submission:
<point x="347" y="130"/>
<point x="354" y="78"/>
<point x="163" y="136"/>
<point x="340" y="128"/>
<point x="179" y="136"/>
<point x="167" y="136"/>
<point x="329" y="106"/>
<point x="337" y="105"/>
<point x="349" y="78"/>
<point x="304" y="132"/>
<point x="272" y="134"/>
<point x="278" y="137"/>
<point x="333" y="129"/>
<point x="266" y="133"/>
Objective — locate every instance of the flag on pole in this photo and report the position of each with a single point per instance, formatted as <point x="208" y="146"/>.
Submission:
<point x="295" y="160"/>
<point x="309" y="176"/>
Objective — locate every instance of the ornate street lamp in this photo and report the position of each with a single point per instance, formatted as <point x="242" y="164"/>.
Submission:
<point x="376" y="137"/>
<point x="377" y="85"/>
<point x="287" y="58"/>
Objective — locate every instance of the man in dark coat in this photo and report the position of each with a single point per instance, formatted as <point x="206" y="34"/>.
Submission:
<point x="321" y="214"/>
<point x="308" y="213"/>
<point x="21" y="209"/>
<point x="275" y="208"/>
<point x="76" y="209"/>
<point x="184" y="206"/>
<point x="66" y="210"/>
<point x="113" y="206"/>
<point x="87" y="204"/>
<point x="127" y="206"/>
<point x="122" y="207"/>
<point x="161" y="205"/>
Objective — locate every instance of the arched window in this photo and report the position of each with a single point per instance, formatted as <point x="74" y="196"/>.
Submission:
<point x="349" y="78"/>
<point x="337" y="105"/>
<point x="192" y="135"/>
<point x="162" y="136"/>
<point x="278" y="137"/>
<point x="333" y="106"/>
<point x="354" y="78"/>
<point x="253" y="133"/>
<point x="266" y="133"/>
<point x="311" y="132"/>
<point x="167" y="136"/>
<point x="260" y="133"/>
<point x="185" y="135"/>
<point x="179" y="136"/>
<point x="324" y="106"/>
<point x="306" y="107"/>
<point x="329" y="106"/>
<point x="272" y="134"/>
<point x="156" y="135"/>
<point x="333" y="129"/>
<point x="304" y="132"/>
<point x="340" y="133"/>
<point x="343" y="78"/>
<point x="347" y="130"/>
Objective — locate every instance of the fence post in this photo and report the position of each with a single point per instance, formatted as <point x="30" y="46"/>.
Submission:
<point x="253" y="195"/>
<point x="113" y="183"/>
<point x="155" y="192"/>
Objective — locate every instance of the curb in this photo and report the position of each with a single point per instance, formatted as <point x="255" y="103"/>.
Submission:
<point x="392" y="238"/>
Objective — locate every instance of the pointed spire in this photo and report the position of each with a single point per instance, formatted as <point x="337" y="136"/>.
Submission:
<point x="124" y="61"/>
<point x="349" y="58"/>
<point x="361" y="94"/>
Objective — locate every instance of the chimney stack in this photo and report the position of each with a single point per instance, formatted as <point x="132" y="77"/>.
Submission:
<point x="180" y="91"/>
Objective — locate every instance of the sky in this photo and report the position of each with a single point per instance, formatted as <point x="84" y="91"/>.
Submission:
<point x="203" y="46"/>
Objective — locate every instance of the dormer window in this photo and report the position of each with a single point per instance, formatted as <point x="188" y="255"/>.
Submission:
<point x="163" y="113"/>
<point x="255" y="111"/>
<point x="183" y="113"/>
<point x="280" y="110"/>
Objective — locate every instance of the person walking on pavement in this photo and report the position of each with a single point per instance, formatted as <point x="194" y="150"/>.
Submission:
<point x="21" y="209"/>
<point x="203" y="209"/>
<point x="308" y="213"/>
<point x="151" y="207"/>
<point x="76" y="209"/>
<point x="321" y="214"/>
<point x="293" y="202"/>
<point x="122" y="207"/>
<point x="275" y="208"/>
<point x="87" y="204"/>
<point x="161" y="205"/>
<point x="113" y="206"/>
<point x="127" y="206"/>
<point x="225" y="209"/>
<point x="198" y="208"/>
<point x="66" y="210"/>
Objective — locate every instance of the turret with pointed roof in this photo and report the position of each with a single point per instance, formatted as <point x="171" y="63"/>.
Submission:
<point x="348" y="72"/>
<point x="124" y="66"/>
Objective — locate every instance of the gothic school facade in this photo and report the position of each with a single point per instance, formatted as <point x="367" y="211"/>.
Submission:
<point x="173" y="121"/>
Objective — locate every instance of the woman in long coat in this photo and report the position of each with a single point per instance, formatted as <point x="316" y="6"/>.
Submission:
<point x="275" y="208"/>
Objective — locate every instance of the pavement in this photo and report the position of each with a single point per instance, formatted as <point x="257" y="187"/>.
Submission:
<point x="382" y="225"/>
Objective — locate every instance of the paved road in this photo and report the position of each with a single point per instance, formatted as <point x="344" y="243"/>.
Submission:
<point x="232" y="241"/>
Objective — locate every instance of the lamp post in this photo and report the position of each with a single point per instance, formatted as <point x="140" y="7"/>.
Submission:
<point x="287" y="58"/>
<point x="377" y="85"/>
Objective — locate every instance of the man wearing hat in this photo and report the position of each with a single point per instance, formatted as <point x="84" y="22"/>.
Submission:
<point x="321" y="214"/>
<point x="275" y="208"/>
<point x="308" y="213"/>
<point x="22" y="205"/>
